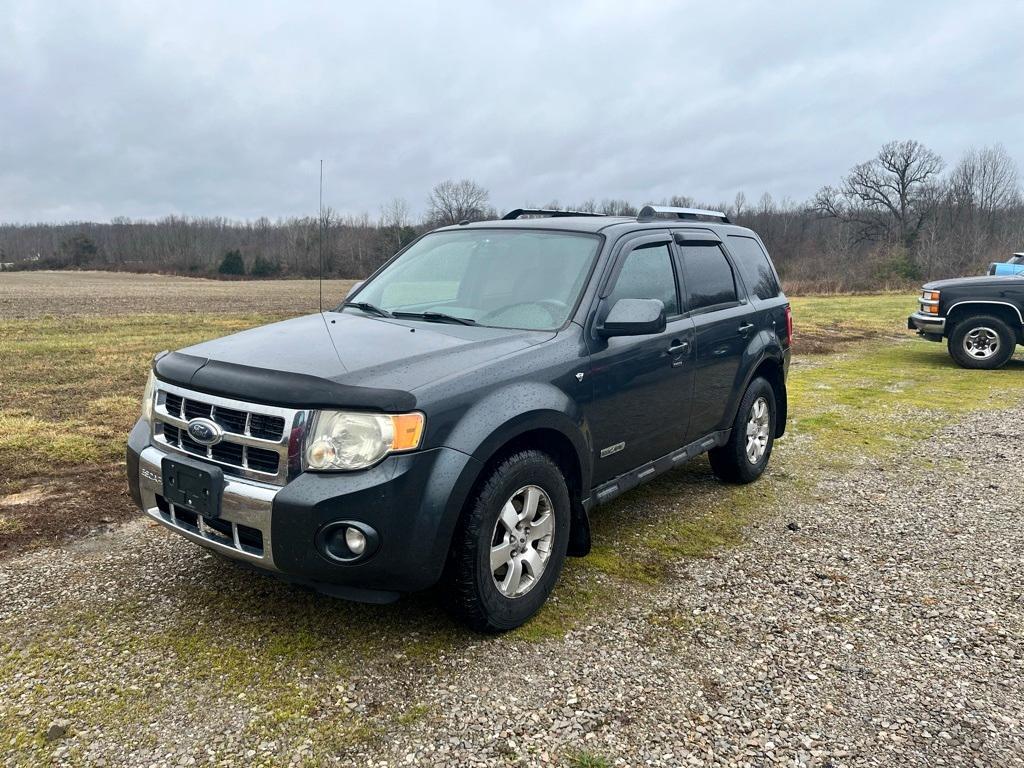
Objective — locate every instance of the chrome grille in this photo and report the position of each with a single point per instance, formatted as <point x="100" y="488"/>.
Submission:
<point x="259" y="424"/>
<point x="256" y="437"/>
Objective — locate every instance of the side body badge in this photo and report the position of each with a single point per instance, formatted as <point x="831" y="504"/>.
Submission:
<point x="605" y="452"/>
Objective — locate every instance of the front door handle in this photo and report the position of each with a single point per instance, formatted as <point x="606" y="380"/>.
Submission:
<point x="679" y="347"/>
<point x="746" y="328"/>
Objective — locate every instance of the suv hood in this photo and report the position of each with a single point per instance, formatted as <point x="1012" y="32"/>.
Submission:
<point x="353" y="349"/>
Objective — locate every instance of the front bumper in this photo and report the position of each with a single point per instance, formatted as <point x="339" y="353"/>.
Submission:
<point x="246" y="507"/>
<point x="929" y="326"/>
<point x="411" y="500"/>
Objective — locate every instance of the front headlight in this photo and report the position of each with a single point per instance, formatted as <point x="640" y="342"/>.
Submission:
<point x="929" y="302"/>
<point x="348" y="440"/>
<point x="147" y="397"/>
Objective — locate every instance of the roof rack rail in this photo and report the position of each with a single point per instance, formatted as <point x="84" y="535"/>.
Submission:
<point x="518" y="213"/>
<point x="651" y="212"/>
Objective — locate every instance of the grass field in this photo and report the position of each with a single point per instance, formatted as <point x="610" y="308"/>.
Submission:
<point x="74" y="351"/>
<point x="861" y="387"/>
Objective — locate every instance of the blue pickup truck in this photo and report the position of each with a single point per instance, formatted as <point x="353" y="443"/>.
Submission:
<point x="1010" y="267"/>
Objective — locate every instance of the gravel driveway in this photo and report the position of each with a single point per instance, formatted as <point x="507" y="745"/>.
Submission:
<point x="881" y="623"/>
<point x="887" y="630"/>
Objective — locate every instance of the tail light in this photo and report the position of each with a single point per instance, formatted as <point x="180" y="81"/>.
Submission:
<point x="789" y="326"/>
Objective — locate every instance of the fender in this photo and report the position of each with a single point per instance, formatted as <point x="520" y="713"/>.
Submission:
<point x="1011" y="305"/>
<point x="509" y="411"/>
<point x="760" y="349"/>
<point x="498" y="419"/>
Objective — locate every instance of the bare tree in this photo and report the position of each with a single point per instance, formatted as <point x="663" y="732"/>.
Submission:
<point x="985" y="180"/>
<point x="982" y="209"/>
<point x="395" y="217"/>
<point x="454" y="201"/>
<point x="889" y="197"/>
<point x="739" y="205"/>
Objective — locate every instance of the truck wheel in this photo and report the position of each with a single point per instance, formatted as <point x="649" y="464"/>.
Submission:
<point x="510" y="544"/>
<point x="981" y="341"/>
<point x="743" y="459"/>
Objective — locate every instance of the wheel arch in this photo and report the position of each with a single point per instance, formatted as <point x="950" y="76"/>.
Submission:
<point x="1005" y="311"/>
<point x="557" y="436"/>
<point x="772" y="369"/>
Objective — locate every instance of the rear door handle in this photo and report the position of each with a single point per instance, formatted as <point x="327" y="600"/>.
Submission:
<point x="746" y="328"/>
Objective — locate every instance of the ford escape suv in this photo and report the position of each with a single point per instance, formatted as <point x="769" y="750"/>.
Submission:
<point x="461" y="414"/>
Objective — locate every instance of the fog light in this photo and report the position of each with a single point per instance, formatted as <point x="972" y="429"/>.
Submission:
<point x="347" y="541"/>
<point x="355" y="540"/>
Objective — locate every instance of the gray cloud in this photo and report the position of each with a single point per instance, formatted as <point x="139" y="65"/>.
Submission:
<point x="144" y="111"/>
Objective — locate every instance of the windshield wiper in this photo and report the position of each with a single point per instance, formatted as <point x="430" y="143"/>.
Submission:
<point x="366" y="306"/>
<point x="439" y="317"/>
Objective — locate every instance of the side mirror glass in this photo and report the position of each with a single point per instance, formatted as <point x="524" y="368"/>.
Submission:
<point x="634" y="317"/>
<point x="354" y="288"/>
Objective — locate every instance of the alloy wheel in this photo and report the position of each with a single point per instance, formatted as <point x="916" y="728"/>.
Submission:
<point x="521" y="541"/>
<point x="757" y="430"/>
<point x="981" y="343"/>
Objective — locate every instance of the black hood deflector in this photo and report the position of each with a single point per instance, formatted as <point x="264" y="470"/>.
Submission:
<point x="262" y="385"/>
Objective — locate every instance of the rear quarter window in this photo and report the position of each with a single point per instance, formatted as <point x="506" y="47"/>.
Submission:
<point x="753" y="264"/>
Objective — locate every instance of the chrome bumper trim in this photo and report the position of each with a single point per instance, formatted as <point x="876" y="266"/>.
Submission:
<point x="243" y="503"/>
<point x="928" y="323"/>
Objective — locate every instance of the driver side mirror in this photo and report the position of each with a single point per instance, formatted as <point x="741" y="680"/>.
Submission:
<point x="633" y="317"/>
<point x="354" y="288"/>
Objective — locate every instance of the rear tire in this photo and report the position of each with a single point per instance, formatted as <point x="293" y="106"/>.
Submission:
<point x="509" y="547"/>
<point x="982" y="342"/>
<point x="743" y="459"/>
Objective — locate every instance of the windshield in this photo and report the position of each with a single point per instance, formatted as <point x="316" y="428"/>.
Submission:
<point x="501" y="278"/>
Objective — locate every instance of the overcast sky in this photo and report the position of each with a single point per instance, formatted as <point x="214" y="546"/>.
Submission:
<point x="146" y="111"/>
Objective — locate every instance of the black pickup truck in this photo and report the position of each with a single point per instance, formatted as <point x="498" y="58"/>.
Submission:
<point x="459" y="416"/>
<point x="982" y="318"/>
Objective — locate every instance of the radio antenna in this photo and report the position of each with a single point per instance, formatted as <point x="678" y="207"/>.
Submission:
<point x="320" y="240"/>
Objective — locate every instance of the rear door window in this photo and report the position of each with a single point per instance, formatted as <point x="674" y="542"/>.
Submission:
<point x="708" y="277"/>
<point x="753" y="264"/>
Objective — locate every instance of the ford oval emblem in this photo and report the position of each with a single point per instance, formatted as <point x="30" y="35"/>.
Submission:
<point x="205" y="432"/>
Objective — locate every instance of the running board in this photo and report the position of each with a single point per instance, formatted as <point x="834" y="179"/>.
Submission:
<point x="627" y="481"/>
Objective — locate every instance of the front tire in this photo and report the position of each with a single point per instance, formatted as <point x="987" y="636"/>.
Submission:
<point x="744" y="458"/>
<point x="510" y="544"/>
<point x="982" y="341"/>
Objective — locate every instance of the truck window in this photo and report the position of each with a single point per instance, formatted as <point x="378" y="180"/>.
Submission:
<point x="753" y="264"/>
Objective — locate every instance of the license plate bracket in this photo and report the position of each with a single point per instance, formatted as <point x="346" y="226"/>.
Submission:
<point x="192" y="485"/>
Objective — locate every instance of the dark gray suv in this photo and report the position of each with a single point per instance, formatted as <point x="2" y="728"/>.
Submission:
<point x="461" y="414"/>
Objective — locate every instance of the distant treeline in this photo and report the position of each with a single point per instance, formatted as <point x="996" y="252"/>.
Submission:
<point x="897" y="219"/>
